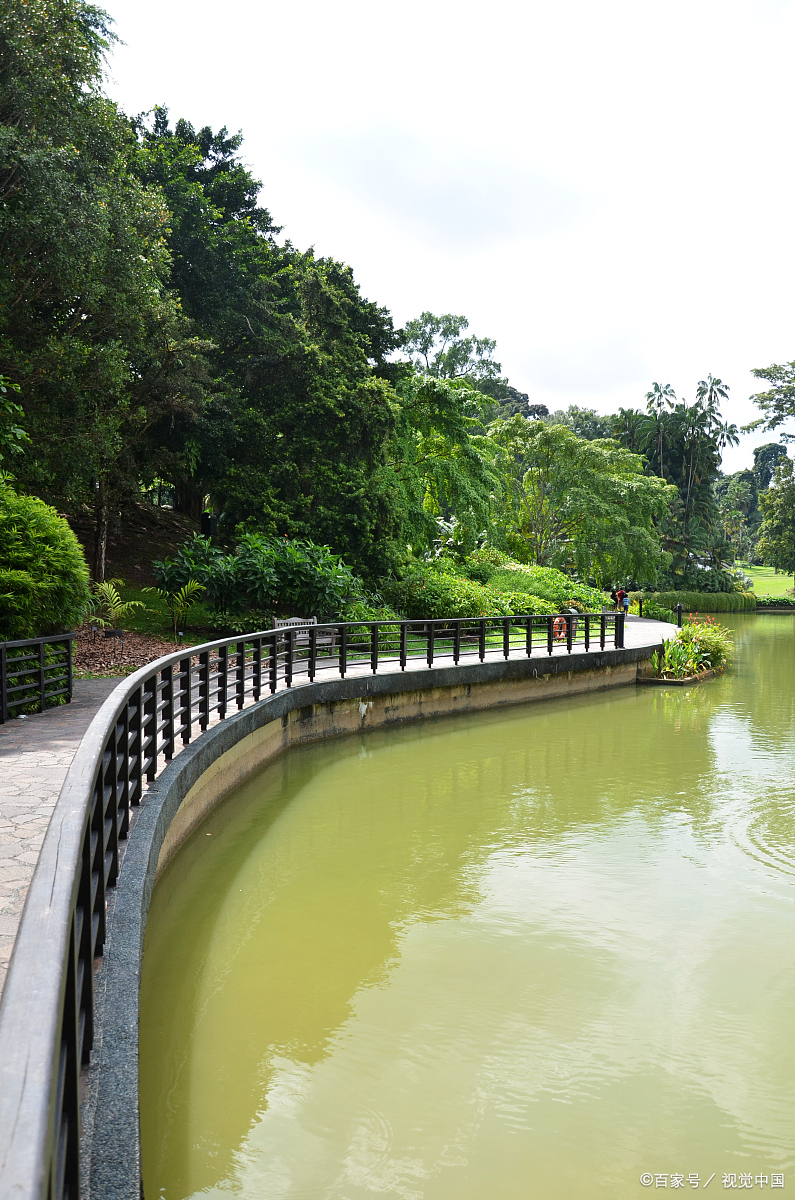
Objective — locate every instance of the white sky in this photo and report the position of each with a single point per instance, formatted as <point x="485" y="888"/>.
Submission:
<point x="605" y="188"/>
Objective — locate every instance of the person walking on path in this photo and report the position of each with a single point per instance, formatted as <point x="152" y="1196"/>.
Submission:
<point x="621" y="595"/>
<point x="614" y="597"/>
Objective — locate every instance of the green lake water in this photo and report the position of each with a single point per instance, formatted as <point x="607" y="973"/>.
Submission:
<point x="535" y="953"/>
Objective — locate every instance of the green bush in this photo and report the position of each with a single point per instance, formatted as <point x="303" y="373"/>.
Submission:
<point x="699" y="602"/>
<point x="43" y="574"/>
<point x="263" y="575"/>
<point x="776" y="601"/>
<point x="562" y="591"/>
<point x="430" y="593"/>
<point x="698" y="646"/>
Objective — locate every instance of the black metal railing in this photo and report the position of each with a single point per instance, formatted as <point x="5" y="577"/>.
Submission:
<point x="47" y="1009"/>
<point x="35" y="674"/>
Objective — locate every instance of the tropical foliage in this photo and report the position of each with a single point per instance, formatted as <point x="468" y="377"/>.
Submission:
<point x="267" y="576"/>
<point x="697" y="647"/>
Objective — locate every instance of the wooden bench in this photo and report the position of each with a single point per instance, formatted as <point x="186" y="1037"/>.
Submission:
<point x="323" y="641"/>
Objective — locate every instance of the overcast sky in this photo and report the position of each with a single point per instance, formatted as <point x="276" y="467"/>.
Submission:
<point x="605" y="188"/>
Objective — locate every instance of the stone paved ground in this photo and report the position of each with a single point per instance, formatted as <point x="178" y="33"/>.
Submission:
<point x="35" y="754"/>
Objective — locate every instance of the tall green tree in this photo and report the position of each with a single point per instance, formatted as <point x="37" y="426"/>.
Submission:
<point x="579" y="504"/>
<point x="776" y="544"/>
<point x="88" y="329"/>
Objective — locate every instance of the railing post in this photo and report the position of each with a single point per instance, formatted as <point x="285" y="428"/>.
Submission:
<point x="506" y="637"/>
<point x="429" y="636"/>
<point x="312" y="651"/>
<point x="123" y="770"/>
<point x="457" y="642"/>
<point x="374" y="647"/>
<point x="204" y="689"/>
<point x="679" y="614"/>
<point x="185" y="699"/>
<point x="640" y="606"/>
<point x="167" y="675"/>
<point x="70" y="683"/>
<point x="619" y="631"/>
<point x="149" y="734"/>
<point x="482" y="640"/>
<point x="343" y="649"/>
<point x="273" y="654"/>
<point x="3" y="686"/>
<point x="403" y="644"/>
<point x="135" y="746"/>
<point x="288" y="657"/>
<point x="240" y="675"/>
<point x="528" y="637"/>
<point x="587" y="631"/>
<point x="223" y="679"/>
<point x="569" y="632"/>
<point x="602" y="631"/>
<point x="256" y="669"/>
<point x="42" y="683"/>
<point x="549" y="634"/>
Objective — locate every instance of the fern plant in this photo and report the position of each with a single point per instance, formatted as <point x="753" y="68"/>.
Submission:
<point x="106" y="606"/>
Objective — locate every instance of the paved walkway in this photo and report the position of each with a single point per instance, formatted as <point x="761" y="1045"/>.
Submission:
<point x="35" y="754"/>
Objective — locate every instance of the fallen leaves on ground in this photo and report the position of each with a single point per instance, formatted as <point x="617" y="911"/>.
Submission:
<point x="94" y="654"/>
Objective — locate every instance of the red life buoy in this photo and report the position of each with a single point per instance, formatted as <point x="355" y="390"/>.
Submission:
<point x="559" y="627"/>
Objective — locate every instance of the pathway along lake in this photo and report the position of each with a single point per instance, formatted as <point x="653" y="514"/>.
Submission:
<point x="536" y="953"/>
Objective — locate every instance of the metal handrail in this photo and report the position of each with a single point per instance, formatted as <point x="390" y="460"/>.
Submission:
<point x="26" y="674"/>
<point x="47" y="1006"/>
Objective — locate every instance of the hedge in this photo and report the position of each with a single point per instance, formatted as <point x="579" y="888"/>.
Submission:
<point x="776" y="601"/>
<point x="701" y="602"/>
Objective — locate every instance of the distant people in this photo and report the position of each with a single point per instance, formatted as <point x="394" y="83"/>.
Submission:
<point x="625" y="604"/>
<point x="614" y="597"/>
<point x="620" y="596"/>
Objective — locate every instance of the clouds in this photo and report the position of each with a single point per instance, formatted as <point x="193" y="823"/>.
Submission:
<point x="440" y="191"/>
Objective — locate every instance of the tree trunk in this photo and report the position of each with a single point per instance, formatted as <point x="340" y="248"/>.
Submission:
<point x="101" y="531"/>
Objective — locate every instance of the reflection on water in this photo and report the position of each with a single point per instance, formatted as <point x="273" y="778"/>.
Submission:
<point x="535" y="953"/>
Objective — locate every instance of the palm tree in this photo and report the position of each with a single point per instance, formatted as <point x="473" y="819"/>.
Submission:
<point x="710" y="392"/>
<point x="660" y="398"/>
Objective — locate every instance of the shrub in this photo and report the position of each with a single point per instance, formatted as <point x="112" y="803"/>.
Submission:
<point x="654" y="612"/>
<point x="776" y="601"/>
<point x="549" y="584"/>
<point x="699" y="602"/>
<point x="43" y="574"/>
<point x="265" y="575"/>
<point x="434" y="594"/>
<point x="698" y="646"/>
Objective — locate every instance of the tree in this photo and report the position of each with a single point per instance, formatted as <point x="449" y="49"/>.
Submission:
<point x="683" y="445"/>
<point x="778" y="402"/>
<point x="294" y="436"/>
<point x="776" y="545"/>
<point x="585" y="422"/>
<point x="440" y="455"/>
<point x="766" y="459"/>
<point x="13" y="438"/>
<point x="580" y="504"/>
<point x="436" y="348"/>
<point x="660" y="400"/>
<point x="87" y="325"/>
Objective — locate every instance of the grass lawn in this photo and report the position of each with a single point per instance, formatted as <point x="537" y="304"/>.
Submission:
<point x="768" y="582"/>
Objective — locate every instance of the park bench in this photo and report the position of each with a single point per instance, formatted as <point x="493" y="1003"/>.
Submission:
<point x="323" y="641"/>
